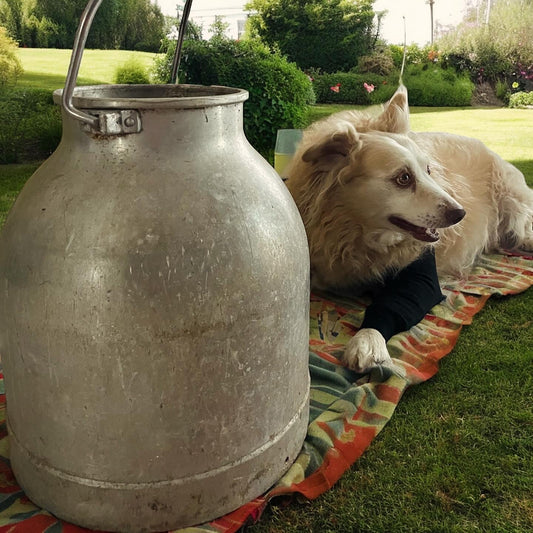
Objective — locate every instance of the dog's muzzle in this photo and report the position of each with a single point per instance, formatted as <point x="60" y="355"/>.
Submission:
<point x="451" y="216"/>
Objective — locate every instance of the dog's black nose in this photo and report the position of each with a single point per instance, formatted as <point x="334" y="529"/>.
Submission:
<point x="455" y="215"/>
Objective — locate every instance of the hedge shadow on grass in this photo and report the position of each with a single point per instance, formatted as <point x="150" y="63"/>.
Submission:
<point x="49" y="82"/>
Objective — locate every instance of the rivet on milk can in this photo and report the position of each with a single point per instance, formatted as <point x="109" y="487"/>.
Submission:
<point x="154" y="285"/>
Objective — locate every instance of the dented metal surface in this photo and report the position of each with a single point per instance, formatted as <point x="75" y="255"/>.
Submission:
<point x="154" y="316"/>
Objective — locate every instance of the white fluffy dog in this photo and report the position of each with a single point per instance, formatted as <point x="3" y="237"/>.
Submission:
<point x="374" y="196"/>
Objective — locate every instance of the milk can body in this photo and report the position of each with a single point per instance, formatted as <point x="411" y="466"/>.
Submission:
<point x="153" y="314"/>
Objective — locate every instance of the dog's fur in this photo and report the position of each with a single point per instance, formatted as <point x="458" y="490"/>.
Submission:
<point x="372" y="195"/>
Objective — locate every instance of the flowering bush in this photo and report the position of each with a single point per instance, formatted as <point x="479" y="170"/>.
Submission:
<point x="415" y="55"/>
<point x="433" y="55"/>
<point x="523" y="77"/>
<point x="427" y="86"/>
<point x="352" y="88"/>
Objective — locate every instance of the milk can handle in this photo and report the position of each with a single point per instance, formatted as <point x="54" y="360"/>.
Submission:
<point x="179" y="43"/>
<point x="80" y="38"/>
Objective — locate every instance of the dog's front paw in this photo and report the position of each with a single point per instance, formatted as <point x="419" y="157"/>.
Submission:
<point x="366" y="349"/>
<point x="527" y="245"/>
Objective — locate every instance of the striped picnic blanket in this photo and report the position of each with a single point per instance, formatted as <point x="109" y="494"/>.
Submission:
<point x="347" y="409"/>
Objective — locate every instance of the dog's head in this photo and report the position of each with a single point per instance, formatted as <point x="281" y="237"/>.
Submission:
<point x="373" y="169"/>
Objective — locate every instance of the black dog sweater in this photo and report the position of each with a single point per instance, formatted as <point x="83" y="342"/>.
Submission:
<point x="405" y="297"/>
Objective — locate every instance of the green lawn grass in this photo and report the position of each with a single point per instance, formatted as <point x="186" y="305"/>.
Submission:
<point x="47" y="68"/>
<point x="12" y="179"/>
<point x="456" y="456"/>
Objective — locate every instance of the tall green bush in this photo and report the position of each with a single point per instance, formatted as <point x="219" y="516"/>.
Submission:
<point x="10" y="66"/>
<point x="436" y="86"/>
<point x="503" y="91"/>
<point x="380" y="62"/>
<point x="279" y="91"/>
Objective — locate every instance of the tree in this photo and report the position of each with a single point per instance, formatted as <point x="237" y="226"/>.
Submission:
<point x="143" y="25"/>
<point x="219" y="27"/>
<point x="65" y="15"/>
<point x="128" y="24"/>
<point x="22" y="24"/>
<point x="12" y="15"/>
<point x="326" y="34"/>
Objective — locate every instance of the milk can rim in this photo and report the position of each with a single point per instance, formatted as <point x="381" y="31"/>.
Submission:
<point x="150" y="96"/>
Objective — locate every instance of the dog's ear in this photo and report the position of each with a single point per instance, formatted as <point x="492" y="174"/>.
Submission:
<point x="334" y="148"/>
<point x="395" y="116"/>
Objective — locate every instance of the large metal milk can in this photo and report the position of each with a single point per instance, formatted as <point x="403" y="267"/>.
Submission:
<point x="153" y="313"/>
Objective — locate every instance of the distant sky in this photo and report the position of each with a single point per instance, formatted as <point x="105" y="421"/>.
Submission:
<point x="416" y="12"/>
<point x="417" y="18"/>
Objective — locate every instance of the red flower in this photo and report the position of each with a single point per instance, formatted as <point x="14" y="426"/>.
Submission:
<point x="370" y="88"/>
<point x="336" y="88"/>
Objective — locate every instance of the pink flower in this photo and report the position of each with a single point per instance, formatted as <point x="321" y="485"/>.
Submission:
<point x="336" y="88"/>
<point x="370" y="88"/>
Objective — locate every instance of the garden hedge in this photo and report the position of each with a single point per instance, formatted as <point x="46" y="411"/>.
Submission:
<point x="428" y="85"/>
<point x="279" y="91"/>
<point x="31" y="125"/>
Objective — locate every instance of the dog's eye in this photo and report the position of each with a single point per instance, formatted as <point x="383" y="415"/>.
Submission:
<point x="428" y="169"/>
<point x="403" y="179"/>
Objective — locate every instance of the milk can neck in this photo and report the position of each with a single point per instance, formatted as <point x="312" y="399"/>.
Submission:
<point x="166" y="111"/>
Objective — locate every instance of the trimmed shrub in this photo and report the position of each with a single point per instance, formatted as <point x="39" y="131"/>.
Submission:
<point x="131" y="72"/>
<point x="279" y="91"/>
<point x="521" y="99"/>
<point x="31" y="125"/>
